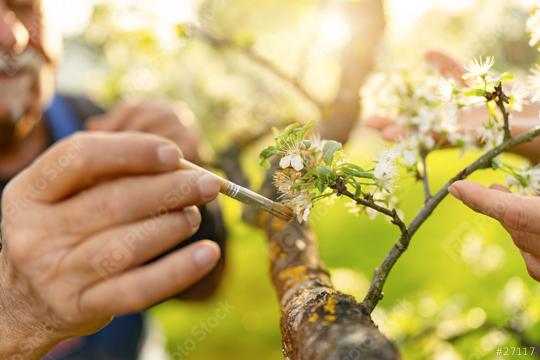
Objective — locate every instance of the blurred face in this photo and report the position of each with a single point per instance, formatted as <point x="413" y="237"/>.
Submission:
<point x="28" y="58"/>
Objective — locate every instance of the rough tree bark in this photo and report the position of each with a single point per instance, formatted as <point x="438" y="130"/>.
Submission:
<point x="317" y="321"/>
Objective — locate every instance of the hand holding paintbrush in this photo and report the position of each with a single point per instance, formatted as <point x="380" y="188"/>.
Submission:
<point x="244" y="195"/>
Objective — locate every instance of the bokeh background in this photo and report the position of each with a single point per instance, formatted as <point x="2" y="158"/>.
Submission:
<point x="461" y="273"/>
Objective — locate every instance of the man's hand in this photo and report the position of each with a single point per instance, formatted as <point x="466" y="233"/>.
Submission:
<point x="519" y="215"/>
<point x="153" y="117"/>
<point x="79" y="224"/>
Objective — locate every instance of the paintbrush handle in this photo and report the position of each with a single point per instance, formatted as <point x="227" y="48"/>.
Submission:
<point x="233" y="190"/>
<point x="187" y="165"/>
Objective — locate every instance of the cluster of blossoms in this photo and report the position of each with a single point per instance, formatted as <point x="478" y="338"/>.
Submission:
<point x="427" y="105"/>
<point x="422" y="102"/>
<point x="311" y="169"/>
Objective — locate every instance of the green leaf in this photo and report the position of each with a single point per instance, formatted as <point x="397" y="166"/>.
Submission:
<point x="267" y="154"/>
<point x="353" y="171"/>
<point x="357" y="190"/>
<point x="496" y="164"/>
<point x="474" y="92"/>
<point x="329" y="149"/>
<point x="506" y="77"/>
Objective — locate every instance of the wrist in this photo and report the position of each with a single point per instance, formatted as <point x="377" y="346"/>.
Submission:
<point x="21" y="335"/>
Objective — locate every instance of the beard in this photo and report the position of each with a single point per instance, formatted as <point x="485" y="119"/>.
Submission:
<point x="7" y="134"/>
<point x="19" y="94"/>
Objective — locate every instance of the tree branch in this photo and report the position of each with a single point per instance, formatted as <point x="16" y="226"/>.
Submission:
<point x="259" y="59"/>
<point x="396" y="220"/>
<point x="375" y="293"/>
<point x="501" y="100"/>
<point x="318" y="322"/>
<point x="425" y="179"/>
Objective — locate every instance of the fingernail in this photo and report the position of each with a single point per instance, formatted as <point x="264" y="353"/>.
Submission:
<point x="193" y="216"/>
<point x="208" y="187"/>
<point x="206" y="256"/>
<point x="168" y="154"/>
<point x="454" y="191"/>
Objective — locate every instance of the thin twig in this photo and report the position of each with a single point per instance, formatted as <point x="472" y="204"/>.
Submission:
<point x="259" y="59"/>
<point x="425" y="180"/>
<point x="392" y="213"/>
<point x="375" y="292"/>
<point x="501" y="101"/>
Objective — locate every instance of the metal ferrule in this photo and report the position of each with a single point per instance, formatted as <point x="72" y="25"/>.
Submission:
<point x="248" y="197"/>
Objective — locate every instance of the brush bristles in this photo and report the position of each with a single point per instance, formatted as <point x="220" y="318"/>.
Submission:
<point x="282" y="211"/>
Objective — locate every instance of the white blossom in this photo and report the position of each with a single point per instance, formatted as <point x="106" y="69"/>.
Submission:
<point x="491" y="136"/>
<point x="533" y="27"/>
<point x="526" y="180"/>
<point x="421" y="101"/>
<point x="386" y="171"/>
<point x="534" y="83"/>
<point x="292" y="160"/>
<point x="410" y="157"/>
<point x="301" y="203"/>
<point x="533" y="176"/>
<point x="479" y="68"/>
<point x="446" y="90"/>
<point x="519" y="94"/>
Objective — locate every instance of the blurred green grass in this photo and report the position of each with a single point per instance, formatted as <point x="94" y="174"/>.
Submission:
<point x="433" y="264"/>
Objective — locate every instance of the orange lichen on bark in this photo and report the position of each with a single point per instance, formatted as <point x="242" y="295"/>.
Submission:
<point x="330" y="309"/>
<point x="294" y="275"/>
<point x="278" y="224"/>
<point x="313" y="318"/>
<point x="262" y="219"/>
<point x="274" y="251"/>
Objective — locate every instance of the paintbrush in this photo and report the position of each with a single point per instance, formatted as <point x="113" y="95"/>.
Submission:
<point x="244" y="195"/>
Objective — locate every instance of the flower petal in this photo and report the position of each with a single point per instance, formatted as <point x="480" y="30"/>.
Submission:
<point x="297" y="163"/>
<point x="285" y="162"/>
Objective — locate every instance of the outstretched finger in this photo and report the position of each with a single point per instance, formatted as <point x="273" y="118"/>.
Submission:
<point x="513" y="211"/>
